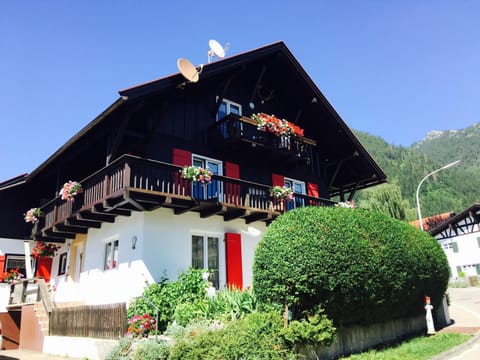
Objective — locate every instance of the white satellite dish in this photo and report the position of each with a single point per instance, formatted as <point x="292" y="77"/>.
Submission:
<point x="188" y="70"/>
<point x="216" y="49"/>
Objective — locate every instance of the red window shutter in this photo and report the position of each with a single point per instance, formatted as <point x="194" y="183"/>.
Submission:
<point x="2" y="266"/>
<point x="182" y="158"/>
<point x="232" y="191"/>
<point x="312" y="189"/>
<point x="233" y="247"/>
<point x="278" y="180"/>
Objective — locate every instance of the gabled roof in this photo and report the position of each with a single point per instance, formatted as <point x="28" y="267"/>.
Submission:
<point x="432" y="221"/>
<point x="459" y="224"/>
<point x="15" y="181"/>
<point x="362" y="171"/>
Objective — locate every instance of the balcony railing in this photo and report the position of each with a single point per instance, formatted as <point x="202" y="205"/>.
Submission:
<point x="242" y="131"/>
<point x="135" y="184"/>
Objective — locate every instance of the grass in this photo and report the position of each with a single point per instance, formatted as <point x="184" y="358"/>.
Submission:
<point x="415" y="349"/>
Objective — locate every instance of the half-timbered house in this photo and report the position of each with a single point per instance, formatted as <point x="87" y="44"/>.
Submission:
<point x="459" y="236"/>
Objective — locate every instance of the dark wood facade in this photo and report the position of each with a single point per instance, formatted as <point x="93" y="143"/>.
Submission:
<point x="124" y="158"/>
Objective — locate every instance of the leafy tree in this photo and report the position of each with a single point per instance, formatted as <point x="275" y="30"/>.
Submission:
<point x="385" y="198"/>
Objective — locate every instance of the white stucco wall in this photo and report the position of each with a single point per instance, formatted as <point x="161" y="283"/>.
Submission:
<point x="468" y="255"/>
<point x="163" y="248"/>
<point x="11" y="246"/>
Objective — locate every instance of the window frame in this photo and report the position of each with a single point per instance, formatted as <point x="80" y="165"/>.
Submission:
<point x="62" y="263"/>
<point x="220" y="249"/>
<point x="228" y="105"/>
<point x="110" y="254"/>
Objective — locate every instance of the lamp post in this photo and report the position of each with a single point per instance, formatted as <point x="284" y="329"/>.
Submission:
<point x="421" y="182"/>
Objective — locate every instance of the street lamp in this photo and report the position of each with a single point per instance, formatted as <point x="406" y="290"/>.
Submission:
<point x="421" y="182"/>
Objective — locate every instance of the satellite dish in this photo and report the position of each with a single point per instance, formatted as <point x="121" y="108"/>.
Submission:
<point x="188" y="70"/>
<point x="216" y="49"/>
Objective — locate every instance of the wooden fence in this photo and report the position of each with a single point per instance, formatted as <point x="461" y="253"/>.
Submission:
<point x="107" y="321"/>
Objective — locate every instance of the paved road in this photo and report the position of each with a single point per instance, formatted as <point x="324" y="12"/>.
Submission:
<point x="465" y="313"/>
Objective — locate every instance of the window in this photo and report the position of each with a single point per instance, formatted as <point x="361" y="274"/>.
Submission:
<point x="111" y="255"/>
<point x="228" y="107"/>
<point x="298" y="187"/>
<point x="212" y="190"/>
<point x="62" y="264"/>
<point x="16" y="261"/>
<point x="455" y="247"/>
<point x="205" y="255"/>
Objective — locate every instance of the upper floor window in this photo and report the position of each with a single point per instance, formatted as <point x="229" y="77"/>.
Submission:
<point x="297" y="186"/>
<point x="214" y="189"/>
<point x="228" y="107"/>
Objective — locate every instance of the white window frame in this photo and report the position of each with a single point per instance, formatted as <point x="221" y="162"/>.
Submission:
<point x="207" y="159"/>
<point x="219" y="184"/>
<point x="228" y="103"/>
<point x="220" y="249"/>
<point x="296" y="182"/>
<point x="111" y="255"/>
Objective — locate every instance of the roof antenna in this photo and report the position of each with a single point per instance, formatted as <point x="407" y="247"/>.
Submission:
<point x="189" y="71"/>
<point x="216" y="50"/>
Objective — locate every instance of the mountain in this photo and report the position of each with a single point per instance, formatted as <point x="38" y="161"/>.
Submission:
<point x="450" y="190"/>
<point x="451" y="145"/>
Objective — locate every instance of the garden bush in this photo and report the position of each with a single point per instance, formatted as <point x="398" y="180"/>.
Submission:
<point x="166" y="295"/>
<point x="256" y="336"/>
<point x="226" y="305"/>
<point x="127" y="349"/>
<point x="360" y="266"/>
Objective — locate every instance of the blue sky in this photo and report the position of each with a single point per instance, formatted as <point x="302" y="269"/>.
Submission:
<point x="396" y="69"/>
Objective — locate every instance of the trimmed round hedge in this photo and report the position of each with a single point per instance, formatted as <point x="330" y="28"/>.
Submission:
<point x="361" y="266"/>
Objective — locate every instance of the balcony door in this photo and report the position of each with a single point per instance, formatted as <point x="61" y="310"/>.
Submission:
<point x="298" y="187"/>
<point x="212" y="190"/>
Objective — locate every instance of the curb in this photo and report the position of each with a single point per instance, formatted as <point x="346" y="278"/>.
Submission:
<point x="458" y="350"/>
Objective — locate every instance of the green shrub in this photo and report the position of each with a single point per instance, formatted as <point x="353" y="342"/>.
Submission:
<point x="226" y="305"/>
<point x="360" y="266"/>
<point x="256" y="336"/>
<point x="121" y="350"/>
<point x="315" y="329"/>
<point x="151" y="350"/>
<point x="166" y="295"/>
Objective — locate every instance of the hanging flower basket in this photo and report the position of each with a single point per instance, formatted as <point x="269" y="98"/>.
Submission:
<point x="44" y="250"/>
<point x="280" y="127"/>
<point x="69" y="190"/>
<point x="281" y="193"/>
<point x="197" y="174"/>
<point x="33" y="215"/>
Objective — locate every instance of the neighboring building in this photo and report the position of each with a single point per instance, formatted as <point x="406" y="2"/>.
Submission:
<point x="459" y="237"/>
<point x="137" y="220"/>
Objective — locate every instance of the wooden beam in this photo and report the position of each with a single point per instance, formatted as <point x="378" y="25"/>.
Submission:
<point x="87" y="215"/>
<point x="83" y="223"/>
<point x="58" y="234"/>
<point x="70" y="229"/>
<point x="114" y="211"/>
<point x="210" y="210"/>
<point x="232" y="214"/>
<point x="259" y="216"/>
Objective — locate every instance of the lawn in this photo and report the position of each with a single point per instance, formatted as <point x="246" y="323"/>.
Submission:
<point x="419" y="348"/>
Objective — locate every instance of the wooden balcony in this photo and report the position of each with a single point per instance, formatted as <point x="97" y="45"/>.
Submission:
<point x="134" y="184"/>
<point x="236" y="133"/>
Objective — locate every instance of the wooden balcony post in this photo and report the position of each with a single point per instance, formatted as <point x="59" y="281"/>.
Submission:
<point x="127" y="173"/>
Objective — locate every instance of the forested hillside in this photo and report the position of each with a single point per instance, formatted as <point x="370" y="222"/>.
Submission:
<point x="449" y="190"/>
